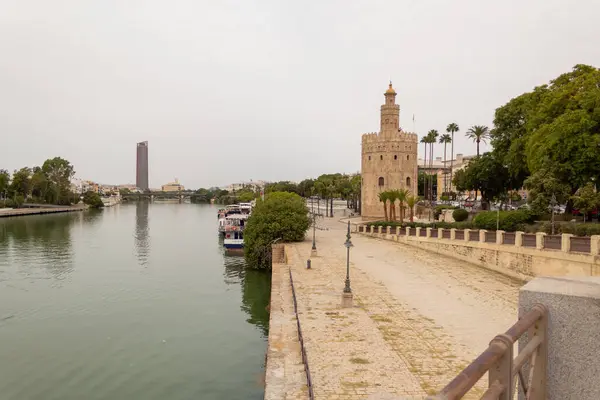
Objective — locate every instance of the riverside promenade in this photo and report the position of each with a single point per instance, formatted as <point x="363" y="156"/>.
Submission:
<point x="17" y="212"/>
<point x="418" y="319"/>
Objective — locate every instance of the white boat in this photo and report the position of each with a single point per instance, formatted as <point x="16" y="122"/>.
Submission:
<point x="232" y="223"/>
<point x="234" y="240"/>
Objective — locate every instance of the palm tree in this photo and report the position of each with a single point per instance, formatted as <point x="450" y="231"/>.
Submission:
<point x="383" y="197"/>
<point x="479" y="133"/>
<point x="424" y="140"/>
<point x="451" y="128"/>
<point x="392" y="197"/>
<point x="402" y="195"/>
<point x="432" y="136"/>
<point x="410" y="202"/>
<point x="445" y="139"/>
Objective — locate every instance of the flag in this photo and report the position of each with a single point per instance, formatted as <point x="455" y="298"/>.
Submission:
<point x="413" y="117"/>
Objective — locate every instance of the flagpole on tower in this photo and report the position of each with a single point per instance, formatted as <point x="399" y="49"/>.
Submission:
<point x="414" y="125"/>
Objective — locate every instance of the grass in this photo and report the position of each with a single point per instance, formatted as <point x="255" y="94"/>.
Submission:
<point x="358" y="360"/>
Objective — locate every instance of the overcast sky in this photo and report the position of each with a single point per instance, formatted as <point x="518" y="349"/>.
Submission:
<point x="233" y="90"/>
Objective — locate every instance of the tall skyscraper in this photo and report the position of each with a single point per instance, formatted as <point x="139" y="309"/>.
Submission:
<point x="141" y="174"/>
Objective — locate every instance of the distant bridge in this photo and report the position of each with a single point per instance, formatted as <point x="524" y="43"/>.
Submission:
<point x="159" y="196"/>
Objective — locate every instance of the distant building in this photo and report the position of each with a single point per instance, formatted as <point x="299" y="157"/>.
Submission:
<point x="389" y="158"/>
<point x="442" y="170"/>
<point x="173" y="187"/>
<point x="141" y="176"/>
<point x="252" y="185"/>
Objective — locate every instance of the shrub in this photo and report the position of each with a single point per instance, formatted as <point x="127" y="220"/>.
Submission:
<point x="460" y="215"/>
<point x="92" y="199"/>
<point x="438" y="210"/>
<point x="508" y="220"/>
<point x="282" y="216"/>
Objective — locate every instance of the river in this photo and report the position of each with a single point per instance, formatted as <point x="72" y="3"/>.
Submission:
<point x="136" y="301"/>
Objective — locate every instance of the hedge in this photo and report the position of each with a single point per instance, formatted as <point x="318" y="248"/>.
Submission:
<point x="509" y="221"/>
<point x="438" y="210"/>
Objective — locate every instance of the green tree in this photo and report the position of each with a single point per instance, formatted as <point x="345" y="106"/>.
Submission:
<point x="432" y="136"/>
<point x="92" y="199"/>
<point x="39" y="184"/>
<point x="282" y="216"/>
<point x="445" y="139"/>
<point x="245" y="196"/>
<point x="59" y="173"/>
<point x="542" y="185"/>
<point x="21" y="183"/>
<point x="356" y="184"/>
<point x="586" y="199"/>
<point x="4" y="181"/>
<point x="424" y="174"/>
<point x="451" y="129"/>
<point x="479" y="133"/>
<point x="402" y="196"/>
<point x="485" y="174"/>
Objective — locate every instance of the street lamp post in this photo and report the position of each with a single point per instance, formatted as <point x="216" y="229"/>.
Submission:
<point x="347" y="294"/>
<point x="313" y="251"/>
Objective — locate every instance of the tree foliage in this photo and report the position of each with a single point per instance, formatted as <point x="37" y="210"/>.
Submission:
<point x="92" y="199"/>
<point x="281" y="216"/>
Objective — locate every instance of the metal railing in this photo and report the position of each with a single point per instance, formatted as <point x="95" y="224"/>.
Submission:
<point x="311" y="395"/>
<point x="502" y="369"/>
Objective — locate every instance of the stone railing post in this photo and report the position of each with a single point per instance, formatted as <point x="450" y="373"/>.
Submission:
<point x="428" y="232"/>
<point x="499" y="237"/>
<point x="379" y="228"/>
<point x="452" y="233"/>
<point x="482" y="233"/>
<point x="440" y="233"/>
<point x="565" y="245"/>
<point x="519" y="239"/>
<point x="372" y="230"/>
<point x="572" y="304"/>
<point x="467" y="234"/>
<point x="539" y="240"/>
<point x="389" y="230"/>
<point x="418" y="231"/>
<point x="407" y="231"/>
<point x="398" y="230"/>
<point x="595" y="245"/>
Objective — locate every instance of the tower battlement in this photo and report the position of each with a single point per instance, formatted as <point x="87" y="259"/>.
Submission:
<point x="374" y="137"/>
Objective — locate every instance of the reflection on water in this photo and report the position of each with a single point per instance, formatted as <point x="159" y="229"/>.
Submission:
<point x="142" y="231"/>
<point x="256" y="290"/>
<point x="36" y="245"/>
<point x="79" y="319"/>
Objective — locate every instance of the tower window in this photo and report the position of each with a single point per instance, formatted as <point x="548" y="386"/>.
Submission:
<point x="407" y="181"/>
<point x="381" y="181"/>
<point x="408" y="157"/>
<point x="381" y="157"/>
<point x="369" y="158"/>
<point x="395" y="157"/>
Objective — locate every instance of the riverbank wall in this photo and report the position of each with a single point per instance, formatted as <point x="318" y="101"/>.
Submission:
<point x="516" y="255"/>
<point x="18" y="212"/>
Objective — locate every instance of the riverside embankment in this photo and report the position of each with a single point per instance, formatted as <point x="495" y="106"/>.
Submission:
<point x="17" y="212"/>
<point x="418" y="319"/>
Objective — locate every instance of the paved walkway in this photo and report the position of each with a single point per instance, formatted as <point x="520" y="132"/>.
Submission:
<point x="418" y="319"/>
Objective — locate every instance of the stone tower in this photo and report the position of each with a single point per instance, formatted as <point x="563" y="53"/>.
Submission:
<point x="389" y="158"/>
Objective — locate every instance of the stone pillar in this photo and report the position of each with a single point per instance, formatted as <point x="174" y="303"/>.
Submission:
<point x="565" y="245"/>
<point x="482" y="233"/>
<point x="467" y="235"/>
<point x="398" y="230"/>
<point x="440" y="233"/>
<point x="573" y="365"/>
<point x="428" y="232"/>
<point x="418" y="230"/>
<point x="452" y="233"/>
<point x="407" y="231"/>
<point x="595" y="245"/>
<point x="379" y="228"/>
<point x="519" y="239"/>
<point x="499" y="237"/>
<point x="389" y="230"/>
<point x="372" y="229"/>
<point x="539" y="240"/>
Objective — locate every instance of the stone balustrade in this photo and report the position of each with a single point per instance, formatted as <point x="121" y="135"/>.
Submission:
<point x="521" y="255"/>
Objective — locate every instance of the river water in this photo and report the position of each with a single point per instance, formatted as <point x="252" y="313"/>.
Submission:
<point x="137" y="301"/>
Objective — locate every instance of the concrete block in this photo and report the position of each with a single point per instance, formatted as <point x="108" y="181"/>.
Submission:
<point x="418" y="230"/>
<point x="482" y="233"/>
<point x="440" y="233"/>
<point x="519" y="239"/>
<point x="573" y="334"/>
<point x="595" y="245"/>
<point x="407" y="231"/>
<point x="452" y="233"/>
<point x="428" y="232"/>
<point x="499" y="237"/>
<point x="347" y="300"/>
<point x="565" y="245"/>
<point x="539" y="240"/>
<point x="467" y="235"/>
